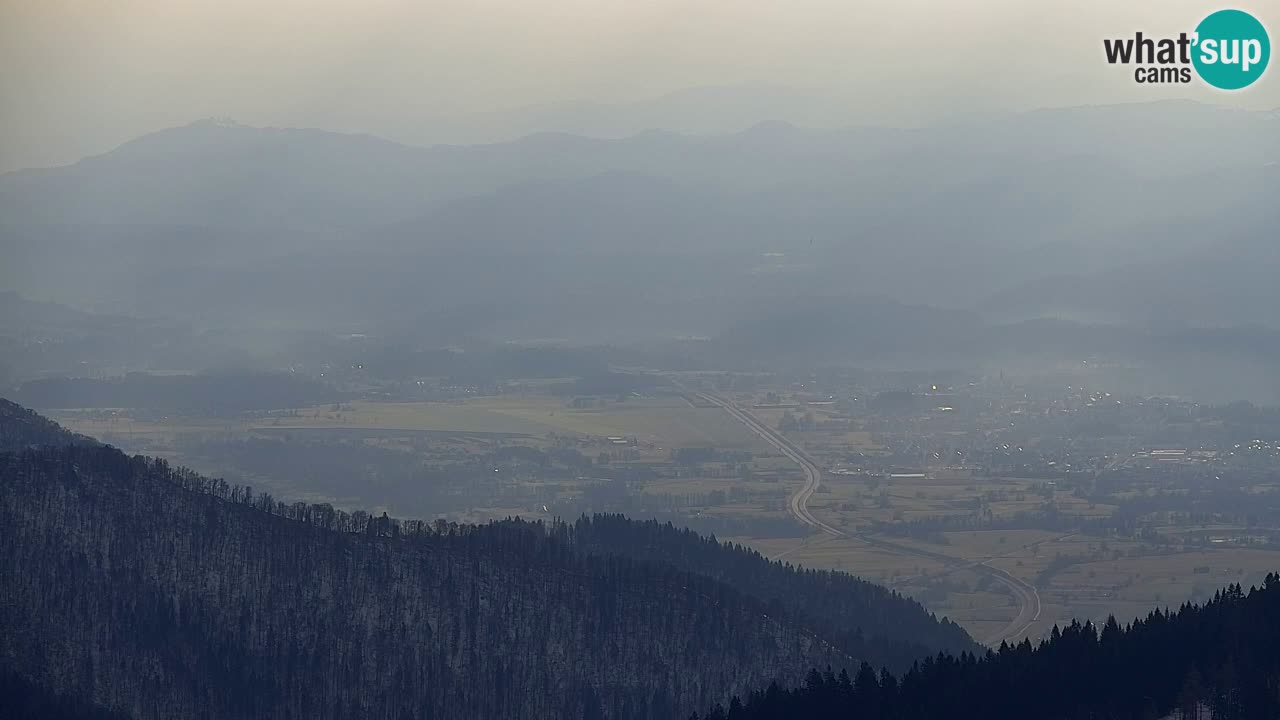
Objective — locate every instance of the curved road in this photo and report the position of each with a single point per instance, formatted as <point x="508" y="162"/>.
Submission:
<point x="1025" y="593"/>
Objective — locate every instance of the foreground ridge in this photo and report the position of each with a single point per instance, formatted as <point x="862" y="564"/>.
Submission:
<point x="162" y="593"/>
<point x="1223" y="656"/>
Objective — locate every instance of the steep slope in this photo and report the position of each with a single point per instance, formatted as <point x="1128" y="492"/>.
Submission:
<point x="867" y="621"/>
<point x="163" y="594"/>
<point x="21" y="428"/>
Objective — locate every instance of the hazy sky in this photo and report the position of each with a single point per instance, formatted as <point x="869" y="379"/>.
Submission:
<point x="80" y="76"/>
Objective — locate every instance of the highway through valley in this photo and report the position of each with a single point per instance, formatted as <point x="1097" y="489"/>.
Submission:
<point x="1026" y="595"/>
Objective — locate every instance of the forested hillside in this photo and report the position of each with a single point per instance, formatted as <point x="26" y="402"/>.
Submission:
<point x="865" y="620"/>
<point x="21" y="700"/>
<point x="1223" y="657"/>
<point x="22" y="428"/>
<point x="163" y="594"/>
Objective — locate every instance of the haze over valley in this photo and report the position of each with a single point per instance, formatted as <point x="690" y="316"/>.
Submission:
<point x="861" y="246"/>
<point x="714" y="362"/>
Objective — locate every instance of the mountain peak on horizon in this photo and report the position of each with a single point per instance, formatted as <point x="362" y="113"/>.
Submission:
<point x="222" y="121"/>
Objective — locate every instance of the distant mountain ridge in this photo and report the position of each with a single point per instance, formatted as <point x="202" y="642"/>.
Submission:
<point x="705" y="110"/>
<point x="1080" y="213"/>
<point x="187" y="175"/>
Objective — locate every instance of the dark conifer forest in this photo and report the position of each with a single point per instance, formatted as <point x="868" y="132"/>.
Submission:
<point x="22" y="700"/>
<point x="22" y="428"/>
<point x="1220" y="661"/>
<point x="639" y="360"/>
<point x="153" y="591"/>
<point x="130" y="588"/>
<point x="865" y="620"/>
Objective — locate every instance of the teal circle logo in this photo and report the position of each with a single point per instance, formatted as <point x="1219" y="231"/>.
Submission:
<point x="1231" y="49"/>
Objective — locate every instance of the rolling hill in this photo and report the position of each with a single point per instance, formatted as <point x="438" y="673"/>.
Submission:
<point x="155" y="592"/>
